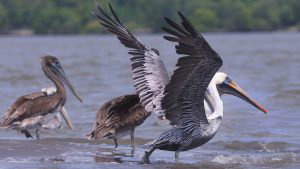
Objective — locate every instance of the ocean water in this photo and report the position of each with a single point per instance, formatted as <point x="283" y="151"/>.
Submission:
<point x="266" y="65"/>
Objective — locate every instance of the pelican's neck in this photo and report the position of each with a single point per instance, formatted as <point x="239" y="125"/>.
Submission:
<point x="60" y="89"/>
<point x="215" y="101"/>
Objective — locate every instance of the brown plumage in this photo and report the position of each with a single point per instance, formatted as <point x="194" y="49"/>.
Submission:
<point x="19" y="111"/>
<point x="31" y="111"/>
<point x="8" y="115"/>
<point x="118" y="117"/>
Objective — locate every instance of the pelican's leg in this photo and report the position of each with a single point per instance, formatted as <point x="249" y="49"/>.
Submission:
<point x="37" y="134"/>
<point x="132" y="142"/>
<point x="116" y="143"/>
<point x="177" y="156"/>
<point x="145" y="158"/>
<point x="116" y="146"/>
<point x="27" y="134"/>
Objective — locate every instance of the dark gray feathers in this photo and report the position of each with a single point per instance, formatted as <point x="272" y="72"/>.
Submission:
<point x="184" y="94"/>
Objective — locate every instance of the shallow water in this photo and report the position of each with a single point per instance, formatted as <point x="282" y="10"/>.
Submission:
<point x="266" y="65"/>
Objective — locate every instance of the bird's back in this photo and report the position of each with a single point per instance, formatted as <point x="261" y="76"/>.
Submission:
<point x="29" y="106"/>
<point x="118" y="115"/>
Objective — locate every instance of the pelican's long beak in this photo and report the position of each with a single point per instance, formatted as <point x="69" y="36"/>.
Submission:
<point x="66" y="117"/>
<point x="230" y="87"/>
<point x="64" y="78"/>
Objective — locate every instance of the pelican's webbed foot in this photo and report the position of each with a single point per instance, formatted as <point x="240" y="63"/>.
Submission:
<point x="146" y="156"/>
<point x="26" y="133"/>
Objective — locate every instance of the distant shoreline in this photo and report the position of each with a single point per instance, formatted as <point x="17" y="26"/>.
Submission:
<point x="28" y="32"/>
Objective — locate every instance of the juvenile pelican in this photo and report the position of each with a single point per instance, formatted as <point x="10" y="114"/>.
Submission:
<point x="117" y="118"/>
<point x="190" y="100"/>
<point x="56" y="122"/>
<point x="33" y="110"/>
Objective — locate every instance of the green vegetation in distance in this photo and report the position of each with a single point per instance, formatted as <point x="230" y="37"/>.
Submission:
<point x="74" y="16"/>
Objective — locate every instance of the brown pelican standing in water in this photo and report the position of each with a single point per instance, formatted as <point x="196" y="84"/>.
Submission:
<point x="194" y="87"/>
<point x="33" y="110"/>
<point x="56" y="122"/>
<point x="117" y="118"/>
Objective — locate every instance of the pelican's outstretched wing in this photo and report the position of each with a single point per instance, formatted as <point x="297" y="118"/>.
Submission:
<point x="149" y="73"/>
<point x="184" y="94"/>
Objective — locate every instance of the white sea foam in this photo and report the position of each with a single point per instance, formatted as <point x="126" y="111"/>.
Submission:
<point x="259" y="159"/>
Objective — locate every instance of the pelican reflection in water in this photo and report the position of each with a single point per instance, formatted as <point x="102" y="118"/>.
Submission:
<point x="33" y="110"/>
<point x="190" y="99"/>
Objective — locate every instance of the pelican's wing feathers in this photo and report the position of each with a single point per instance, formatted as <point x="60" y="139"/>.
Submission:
<point x="183" y="101"/>
<point x="127" y="111"/>
<point x="149" y="73"/>
<point x="26" y="107"/>
<point x="119" y="113"/>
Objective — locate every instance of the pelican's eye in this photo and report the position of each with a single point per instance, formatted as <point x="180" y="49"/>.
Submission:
<point x="56" y="63"/>
<point x="227" y="80"/>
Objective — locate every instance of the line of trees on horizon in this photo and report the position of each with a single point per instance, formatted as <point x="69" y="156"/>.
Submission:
<point x="74" y="16"/>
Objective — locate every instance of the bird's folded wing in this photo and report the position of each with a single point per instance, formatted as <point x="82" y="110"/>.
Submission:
<point x="119" y="113"/>
<point x="27" y="106"/>
<point x="126" y="111"/>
